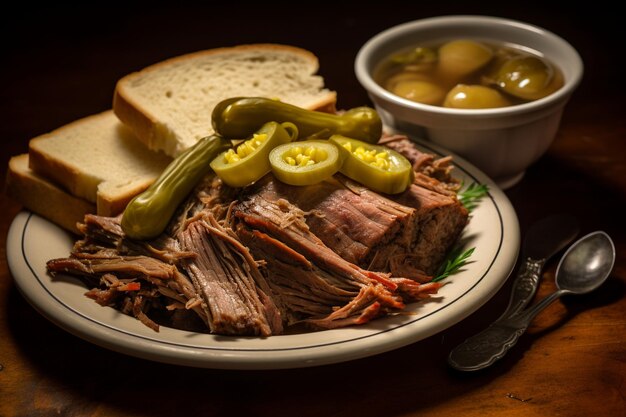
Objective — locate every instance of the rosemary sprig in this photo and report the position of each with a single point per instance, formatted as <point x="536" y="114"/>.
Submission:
<point x="472" y="194"/>
<point x="456" y="260"/>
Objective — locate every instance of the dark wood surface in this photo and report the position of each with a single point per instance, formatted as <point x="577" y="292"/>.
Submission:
<point x="62" y="64"/>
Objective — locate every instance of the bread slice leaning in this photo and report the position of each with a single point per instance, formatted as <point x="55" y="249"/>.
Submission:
<point x="40" y="196"/>
<point x="96" y="159"/>
<point x="168" y="105"/>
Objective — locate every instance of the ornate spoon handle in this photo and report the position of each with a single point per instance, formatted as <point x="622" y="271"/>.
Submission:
<point x="486" y="347"/>
<point x="544" y="239"/>
<point x="524" y="286"/>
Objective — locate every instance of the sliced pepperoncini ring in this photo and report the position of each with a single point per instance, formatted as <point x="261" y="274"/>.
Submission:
<point x="306" y="162"/>
<point x="377" y="167"/>
<point x="249" y="161"/>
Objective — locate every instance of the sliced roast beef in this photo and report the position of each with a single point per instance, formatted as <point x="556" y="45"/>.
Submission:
<point x="316" y="285"/>
<point x="407" y="234"/>
<point x="354" y="226"/>
<point x="438" y="223"/>
<point x="286" y="221"/>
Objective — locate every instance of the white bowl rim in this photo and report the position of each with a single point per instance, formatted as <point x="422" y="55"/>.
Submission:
<point x="383" y="37"/>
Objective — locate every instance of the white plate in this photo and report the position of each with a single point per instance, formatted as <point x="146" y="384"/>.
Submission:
<point x="493" y="231"/>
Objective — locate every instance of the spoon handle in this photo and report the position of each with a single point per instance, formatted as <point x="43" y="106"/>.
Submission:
<point x="525" y="317"/>
<point x="486" y="347"/>
<point x="524" y="286"/>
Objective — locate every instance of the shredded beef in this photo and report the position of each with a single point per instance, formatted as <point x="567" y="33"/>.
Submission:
<point x="407" y="234"/>
<point x="228" y="282"/>
<point x="430" y="172"/>
<point x="254" y="261"/>
<point x="306" y="272"/>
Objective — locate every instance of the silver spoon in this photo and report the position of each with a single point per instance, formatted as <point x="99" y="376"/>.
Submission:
<point x="583" y="268"/>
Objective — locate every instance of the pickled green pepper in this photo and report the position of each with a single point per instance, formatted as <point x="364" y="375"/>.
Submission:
<point x="239" y="117"/>
<point x="377" y="167"/>
<point x="249" y="161"/>
<point x="148" y="214"/>
<point x="306" y="162"/>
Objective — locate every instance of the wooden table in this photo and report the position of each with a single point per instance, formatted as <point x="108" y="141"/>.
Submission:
<point x="63" y="63"/>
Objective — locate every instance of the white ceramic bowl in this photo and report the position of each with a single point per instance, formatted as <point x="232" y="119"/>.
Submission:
<point x="503" y="141"/>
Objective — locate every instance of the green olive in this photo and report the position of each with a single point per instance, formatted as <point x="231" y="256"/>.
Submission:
<point x="461" y="57"/>
<point x="419" y="55"/>
<point x="528" y="78"/>
<point x="421" y="91"/>
<point x="474" y="97"/>
<point x="403" y="76"/>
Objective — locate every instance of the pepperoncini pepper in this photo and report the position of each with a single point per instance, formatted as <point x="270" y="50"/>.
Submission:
<point x="249" y="161"/>
<point x="240" y="116"/>
<point x="306" y="162"/>
<point x="377" y="167"/>
<point x="148" y="214"/>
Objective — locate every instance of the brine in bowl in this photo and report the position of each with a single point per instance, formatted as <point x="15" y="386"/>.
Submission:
<point x="483" y="109"/>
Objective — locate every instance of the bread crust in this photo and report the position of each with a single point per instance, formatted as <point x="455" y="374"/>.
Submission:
<point x="108" y="205"/>
<point x="145" y="126"/>
<point x="131" y="114"/>
<point x="109" y="198"/>
<point x="64" y="192"/>
<point x="43" y="197"/>
<point x="61" y="173"/>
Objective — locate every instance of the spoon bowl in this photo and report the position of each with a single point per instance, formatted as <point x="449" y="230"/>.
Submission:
<point x="586" y="264"/>
<point x="583" y="268"/>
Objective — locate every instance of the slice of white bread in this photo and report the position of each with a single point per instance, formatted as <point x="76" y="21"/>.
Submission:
<point x="96" y="159"/>
<point x="43" y="197"/>
<point x="168" y="105"/>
